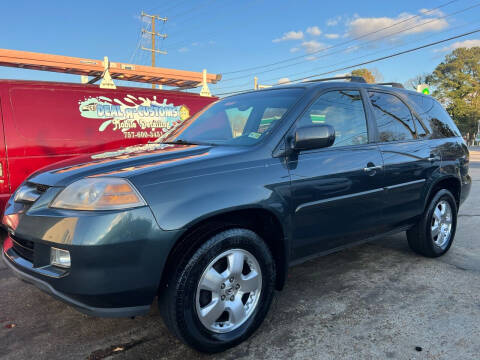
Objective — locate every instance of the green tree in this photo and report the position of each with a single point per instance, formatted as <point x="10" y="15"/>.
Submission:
<point x="366" y="74"/>
<point x="457" y="86"/>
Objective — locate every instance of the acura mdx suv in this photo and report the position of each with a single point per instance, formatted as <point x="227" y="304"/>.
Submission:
<point x="210" y="217"/>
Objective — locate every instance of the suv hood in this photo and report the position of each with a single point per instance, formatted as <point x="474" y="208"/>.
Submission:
<point x="119" y="163"/>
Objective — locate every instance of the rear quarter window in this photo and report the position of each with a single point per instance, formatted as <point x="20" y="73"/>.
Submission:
<point x="394" y="119"/>
<point x="434" y="116"/>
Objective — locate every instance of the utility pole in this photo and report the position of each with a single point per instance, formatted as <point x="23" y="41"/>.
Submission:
<point x="154" y="35"/>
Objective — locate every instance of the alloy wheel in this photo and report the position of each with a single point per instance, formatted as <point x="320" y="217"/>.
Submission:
<point x="228" y="291"/>
<point x="441" y="227"/>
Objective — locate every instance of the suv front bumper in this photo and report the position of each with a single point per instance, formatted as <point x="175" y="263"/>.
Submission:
<point x="117" y="257"/>
<point x="16" y="263"/>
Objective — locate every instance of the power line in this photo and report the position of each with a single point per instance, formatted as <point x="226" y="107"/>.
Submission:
<point x="375" y="60"/>
<point x="134" y="52"/>
<point x="363" y="56"/>
<point x="351" y="59"/>
<point x="340" y="44"/>
<point x="185" y="29"/>
<point x="394" y="55"/>
<point x="175" y="5"/>
<point x="134" y="56"/>
<point x="179" y="15"/>
<point x="355" y="46"/>
<point x="202" y="25"/>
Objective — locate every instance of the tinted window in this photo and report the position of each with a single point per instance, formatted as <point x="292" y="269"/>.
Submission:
<point x="393" y="117"/>
<point x="421" y="133"/>
<point x="344" y="111"/>
<point x="434" y="116"/>
<point x="237" y="120"/>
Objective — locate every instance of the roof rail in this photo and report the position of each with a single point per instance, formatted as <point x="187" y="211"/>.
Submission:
<point x="358" y="79"/>
<point x="392" y="84"/>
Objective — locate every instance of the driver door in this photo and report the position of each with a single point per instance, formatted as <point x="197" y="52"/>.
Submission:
<point x="337" y="192"/>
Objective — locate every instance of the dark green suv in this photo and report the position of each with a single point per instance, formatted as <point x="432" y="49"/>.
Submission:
<point x="210" y="218"/>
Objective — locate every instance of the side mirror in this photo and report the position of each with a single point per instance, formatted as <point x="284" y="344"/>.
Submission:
<point x="313" y="137"/>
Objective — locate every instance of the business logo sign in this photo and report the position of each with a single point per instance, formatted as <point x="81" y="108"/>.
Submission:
<point x="135" y="117"/>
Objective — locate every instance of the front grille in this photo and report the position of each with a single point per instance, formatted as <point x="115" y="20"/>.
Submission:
<point x="24" y="248"/>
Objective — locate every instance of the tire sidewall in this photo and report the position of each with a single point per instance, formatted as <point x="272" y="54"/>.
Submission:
<point x="439" y="196"/>
<point x="192" y="329"/>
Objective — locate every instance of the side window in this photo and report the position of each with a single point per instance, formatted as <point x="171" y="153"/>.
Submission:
<point x="421" y="133"/>
<point x="434" y="116"/>
<point x="344" y="111"/>
<point x="393" y="117"/>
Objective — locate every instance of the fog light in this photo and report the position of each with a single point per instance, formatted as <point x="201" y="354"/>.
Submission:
<point x="59" y="257"/>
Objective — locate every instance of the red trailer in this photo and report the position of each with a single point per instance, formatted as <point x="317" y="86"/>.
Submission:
<point x="46" y="122"/>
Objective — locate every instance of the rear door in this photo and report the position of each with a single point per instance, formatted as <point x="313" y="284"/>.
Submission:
<point x="337" y="192"/>
<point x="408" y="159"/>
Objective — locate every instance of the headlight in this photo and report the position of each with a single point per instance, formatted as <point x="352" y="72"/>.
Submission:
<point x="98" y="194"/>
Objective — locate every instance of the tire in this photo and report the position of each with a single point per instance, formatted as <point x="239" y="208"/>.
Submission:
<point x="423" y="237"/>
<point x="185" y="300"/>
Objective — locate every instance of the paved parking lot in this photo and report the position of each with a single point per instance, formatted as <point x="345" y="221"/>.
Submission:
<point x="378" y="300"/>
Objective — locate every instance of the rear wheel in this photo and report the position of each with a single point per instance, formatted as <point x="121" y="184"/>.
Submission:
<point x="434" y="233"/>
<point x="220" y="293"/>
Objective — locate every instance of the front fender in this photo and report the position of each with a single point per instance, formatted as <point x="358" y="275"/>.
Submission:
<point x="178" y="204"/>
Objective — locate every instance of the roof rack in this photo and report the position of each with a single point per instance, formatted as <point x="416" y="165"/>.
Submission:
<point x="358" y="79"/>
<point x="106" y="71"/>
<point x="392" y="84"/>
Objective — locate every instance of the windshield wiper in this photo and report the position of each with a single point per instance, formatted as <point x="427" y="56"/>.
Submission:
<point x="186" y="142"/>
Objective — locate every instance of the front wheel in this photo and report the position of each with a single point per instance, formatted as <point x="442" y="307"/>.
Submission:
<point x="219" y="294"/>
<point x="433" y="235"/>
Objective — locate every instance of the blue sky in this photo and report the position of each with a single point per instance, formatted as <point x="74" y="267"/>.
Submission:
<point x="225" y="36"/>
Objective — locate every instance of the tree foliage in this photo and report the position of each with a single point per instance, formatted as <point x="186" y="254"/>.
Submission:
<point x="366" y="74"/>
<point x="457" y="86"/>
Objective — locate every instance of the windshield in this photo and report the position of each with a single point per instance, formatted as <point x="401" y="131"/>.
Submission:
<point x="237" y="120"/>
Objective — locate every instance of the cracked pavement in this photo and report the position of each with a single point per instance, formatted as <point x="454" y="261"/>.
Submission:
<point x="378" y="300"/>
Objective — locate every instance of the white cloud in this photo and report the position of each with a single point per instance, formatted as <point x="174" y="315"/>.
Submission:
<point x="332" y="36"/>
<point x="312" y="46"/>
<point x="314" y="30"/>
<point x="334" y="21"/>
<point x="427" y="22"/>
<point x="284" y="80"/>
<point x="183" y="49"/>
<point x="291" y="35"/>
<point x="432" y="12"/>
<point x="311" y="58"/>
<point x="461" y="44"/>
<point x="294" y="49"/>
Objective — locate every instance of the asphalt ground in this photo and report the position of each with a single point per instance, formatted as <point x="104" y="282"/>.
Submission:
<point x="375" y="301"/>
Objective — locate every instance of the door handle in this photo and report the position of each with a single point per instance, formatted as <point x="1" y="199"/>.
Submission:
<point x="372" y="168"/>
